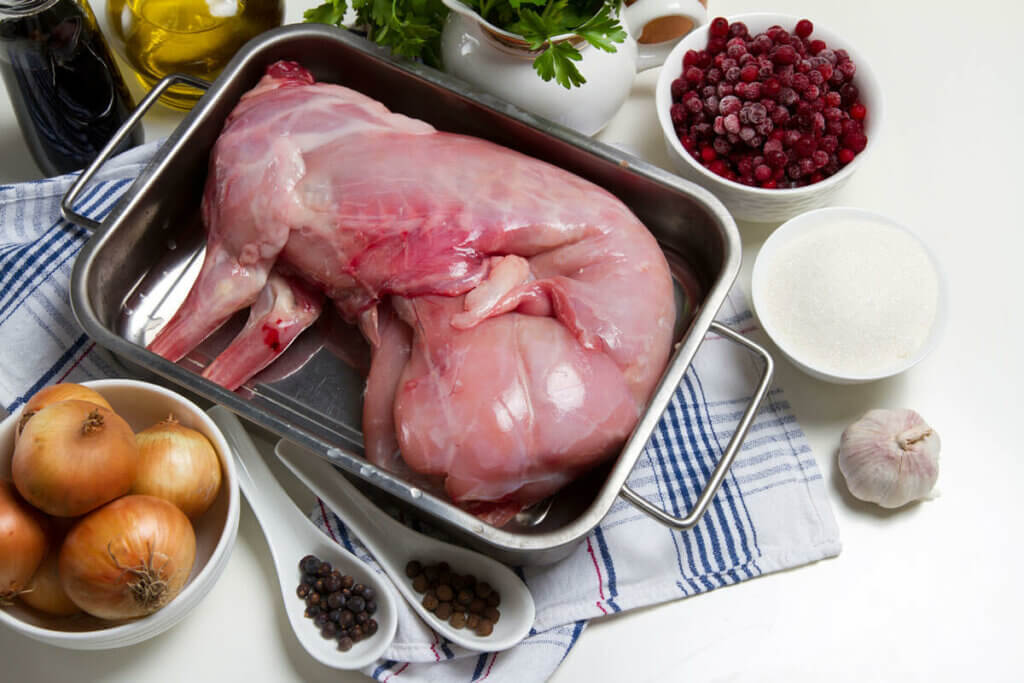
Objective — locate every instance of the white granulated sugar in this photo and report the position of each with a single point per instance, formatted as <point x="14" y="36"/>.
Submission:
<point x="853" y="298"/>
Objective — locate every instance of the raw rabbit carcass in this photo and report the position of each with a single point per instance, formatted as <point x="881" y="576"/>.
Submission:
<point x="519" y="316"/>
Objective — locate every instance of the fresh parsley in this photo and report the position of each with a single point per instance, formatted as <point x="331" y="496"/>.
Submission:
<point x="412" y="28"/>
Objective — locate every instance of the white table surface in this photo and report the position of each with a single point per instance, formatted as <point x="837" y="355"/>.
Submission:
<point x="931" y="592"/>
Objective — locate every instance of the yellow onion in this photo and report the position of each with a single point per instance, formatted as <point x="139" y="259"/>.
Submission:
<point x="74" y="456"/>
<point x="44" y="591"/>
<point x="22" y="542"/>
<point x="129" y="558"/>
<point x="56" y="393"/>
<point x="178" y="464"/>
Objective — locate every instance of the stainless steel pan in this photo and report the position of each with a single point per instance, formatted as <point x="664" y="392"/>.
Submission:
<point x="141" y="261"/>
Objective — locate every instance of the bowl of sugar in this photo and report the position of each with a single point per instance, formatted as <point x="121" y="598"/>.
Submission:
<point x="849" y="295"/>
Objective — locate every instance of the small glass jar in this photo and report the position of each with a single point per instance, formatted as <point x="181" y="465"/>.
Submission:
<point x="195" y="37"/>
<point x="64" y="86"/>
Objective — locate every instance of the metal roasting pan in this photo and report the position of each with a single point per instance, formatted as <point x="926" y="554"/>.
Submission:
<point x="141" y="261"/>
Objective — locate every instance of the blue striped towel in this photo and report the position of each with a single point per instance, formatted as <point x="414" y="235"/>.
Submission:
<point x="771" y="513"/>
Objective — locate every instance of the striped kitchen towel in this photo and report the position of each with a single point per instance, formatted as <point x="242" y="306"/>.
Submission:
<point x="772" y="511"/>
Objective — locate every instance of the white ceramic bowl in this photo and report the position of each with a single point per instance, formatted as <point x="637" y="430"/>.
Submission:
<point x="755" y="203"/>
<point x="141" y="404"/>
<point x="772" y="322"/>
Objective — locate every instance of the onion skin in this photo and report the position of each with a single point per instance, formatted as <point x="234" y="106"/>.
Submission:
<point x="56" y="393"/>
<point x="22" y="542"/>
<point x="73" y="457"/>
<point x="178" y="464"/>
<point x="129" y="558"/>
<point x="45" y="592"/>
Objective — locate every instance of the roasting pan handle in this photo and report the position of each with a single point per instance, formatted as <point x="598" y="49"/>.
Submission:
<point x="728" y="455"/>
<point x="67" y="203"/>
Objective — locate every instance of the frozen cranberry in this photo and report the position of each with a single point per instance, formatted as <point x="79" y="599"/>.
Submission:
<point x="828" y="143"/>
<point x="761" y="44"/>
<point x="826" y="71"/>
<point x="721" y="145"/>
<point x="707" y="153"/>
<point x="732" y="124"/>
<point x="716" y="46"/>
<point x="811" y="93"/>
<point x="801" y="82"/>
<point x="724" y="89"/>
<point x="677" y="113"/>
<point x="679" y="86"/>
<point x="784" y="54"/>
<point x="749" y="73"/>
<point x="741" y="90"/>
<point x="713" y="76"/>
<point x="694" y="75"/>
<point x="820" y="158"/>
<point x="732" y="74"/>
<point x="735" y="48"/>
<point x="762" y="173"/>
<point x="775" y="159"/>
<point x="730" y="104"/>
<point x="719" y="27"/>
<point x="703" y="59"/>
<point x="858" y="111"/>
<point x="772" y="86"/>
<point x="804" y="28"/>
<point x="788" y="97"/>
<point x="805" y="146"/>
<point x="689" y="59"/>
<point x="833" y="98"/>
<point x="738" y="30"/>
<point x="847" y="68"/>
<point x="816" y="46"/>
<point x="769" y="184"/>
<point x="693" y="104"/>
<point x="846" y="156"/>
<point x="855" y="141"/>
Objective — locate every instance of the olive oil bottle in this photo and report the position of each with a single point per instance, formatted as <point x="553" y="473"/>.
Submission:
<point x="196" y="37"/>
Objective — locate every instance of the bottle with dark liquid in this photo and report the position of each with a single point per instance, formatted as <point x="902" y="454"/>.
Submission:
<point x="63" y="83"/>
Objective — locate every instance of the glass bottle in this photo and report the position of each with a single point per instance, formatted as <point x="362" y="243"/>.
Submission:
<point x="64" y="86"/>
<point x="196" y="37"/>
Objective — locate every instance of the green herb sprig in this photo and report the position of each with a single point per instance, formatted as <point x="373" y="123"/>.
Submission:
<point x="412" y="28"/>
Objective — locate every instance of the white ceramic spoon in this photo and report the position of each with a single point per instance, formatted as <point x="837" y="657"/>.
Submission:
<point x="394" y="545"/>
<point x="291" y="536"/>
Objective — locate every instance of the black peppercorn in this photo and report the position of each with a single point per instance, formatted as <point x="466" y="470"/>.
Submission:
<point x="346" y="619"/>
<point x="347" y="581"/>
<point x="345" y="643"/>
<point x="324" y="569"/>
<point x="312" y="611"/>
<point x="332" y="583"/>
<point x="303" y="590"/>
<point x="309" y="564"/>
<point x="413" y="569"/>
<point x="371" y="607"/>
<point x="329" y="630"/>
<point x="356" y="603"/>
<point x="370" y="627"/>
<point x="320" y="620"/>
<point x="335" y="600"/>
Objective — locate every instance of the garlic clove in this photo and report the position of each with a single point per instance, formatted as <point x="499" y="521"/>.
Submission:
<point x="890" y="457"/>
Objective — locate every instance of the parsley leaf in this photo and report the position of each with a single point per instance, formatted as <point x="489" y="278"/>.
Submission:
<point x="557" y="62"/>
<point x="602" y="30"/>
<point x="332" y="12"/>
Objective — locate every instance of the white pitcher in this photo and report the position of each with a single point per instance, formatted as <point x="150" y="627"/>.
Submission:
<point x="500" y="63"/>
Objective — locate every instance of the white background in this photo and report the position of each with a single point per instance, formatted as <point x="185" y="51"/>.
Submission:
<point x="931" y="592"/>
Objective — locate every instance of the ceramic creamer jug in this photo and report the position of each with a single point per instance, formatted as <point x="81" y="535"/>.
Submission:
<point x="500" y="62"/>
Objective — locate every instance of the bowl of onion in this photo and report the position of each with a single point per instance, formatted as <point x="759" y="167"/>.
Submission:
<point x="119" y="509"/>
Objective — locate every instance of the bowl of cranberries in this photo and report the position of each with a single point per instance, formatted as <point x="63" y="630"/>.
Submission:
<point x="771" y="113"/>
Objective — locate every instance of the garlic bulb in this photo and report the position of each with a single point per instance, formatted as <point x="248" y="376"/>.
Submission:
<point x="889" y="457"/>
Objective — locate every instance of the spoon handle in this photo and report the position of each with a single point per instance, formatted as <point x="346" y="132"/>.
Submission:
<point x="359" y="514"/>
<point x="268" y="501"/>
